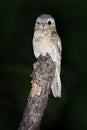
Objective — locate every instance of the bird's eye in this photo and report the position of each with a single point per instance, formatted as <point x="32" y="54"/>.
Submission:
<point x="38" y="22"/>
<point x="49" y="22"/>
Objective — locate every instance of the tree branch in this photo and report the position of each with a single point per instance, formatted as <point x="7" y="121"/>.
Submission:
<point x="42" y="77"/>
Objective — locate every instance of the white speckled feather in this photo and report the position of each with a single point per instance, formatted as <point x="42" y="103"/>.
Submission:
<point x="46" y="40"/>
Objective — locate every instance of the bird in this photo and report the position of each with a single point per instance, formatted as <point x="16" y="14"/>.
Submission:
<point x="46" y="40"/>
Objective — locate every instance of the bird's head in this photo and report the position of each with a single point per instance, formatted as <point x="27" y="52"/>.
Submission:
<point x="45" y="21"/>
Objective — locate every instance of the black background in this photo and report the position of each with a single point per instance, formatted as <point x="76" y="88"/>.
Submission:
<point x="17" y="19"/>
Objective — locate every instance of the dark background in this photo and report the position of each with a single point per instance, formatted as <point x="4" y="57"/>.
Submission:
<point x="17" y="19"/>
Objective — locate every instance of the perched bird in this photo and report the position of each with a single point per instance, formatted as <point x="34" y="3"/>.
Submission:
<point x="46" y="40"/>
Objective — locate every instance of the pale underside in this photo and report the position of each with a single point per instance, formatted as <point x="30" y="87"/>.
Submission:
<point x="48" y="41"/>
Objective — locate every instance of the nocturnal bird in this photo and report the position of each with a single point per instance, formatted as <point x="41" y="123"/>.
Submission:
<point x="46" y="40"/>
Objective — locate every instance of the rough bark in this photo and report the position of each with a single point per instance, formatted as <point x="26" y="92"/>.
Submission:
<point x="42" y="77"/>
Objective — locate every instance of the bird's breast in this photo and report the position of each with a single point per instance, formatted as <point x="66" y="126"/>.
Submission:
<point x="42" y="43"/>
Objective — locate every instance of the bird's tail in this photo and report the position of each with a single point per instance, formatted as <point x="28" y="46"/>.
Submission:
<point x="56" y="84"/>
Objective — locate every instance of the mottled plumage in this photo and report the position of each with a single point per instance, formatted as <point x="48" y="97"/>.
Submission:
<point x="46" y="40"/>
